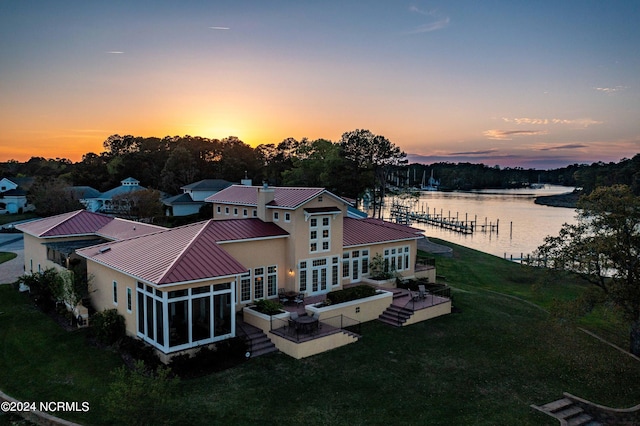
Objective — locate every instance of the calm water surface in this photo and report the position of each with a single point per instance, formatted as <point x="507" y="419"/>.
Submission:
<point x="523" y="225"/>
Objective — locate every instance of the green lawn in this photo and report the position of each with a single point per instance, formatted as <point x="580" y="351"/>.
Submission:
<point x="484" y="365"/>
<point x="6" y="256"/>
<point x="8" y="218"/>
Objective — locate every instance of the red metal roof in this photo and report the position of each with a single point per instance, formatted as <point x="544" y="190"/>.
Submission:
<point x="372" y="231"/>
<point x="83" y="222"/>
<point x="79" y="222"/>
<point x="184" y="254"/>
<point x="284" y="197"/>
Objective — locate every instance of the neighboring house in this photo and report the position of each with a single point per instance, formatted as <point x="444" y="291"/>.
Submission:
<point x="104" y="203"/>
<point x="181" y="288"/>
<point x="193" y="196"/>
<point x="13" y="199"/>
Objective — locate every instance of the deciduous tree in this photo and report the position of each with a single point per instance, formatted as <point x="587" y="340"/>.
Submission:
<point x="604" y="247"/>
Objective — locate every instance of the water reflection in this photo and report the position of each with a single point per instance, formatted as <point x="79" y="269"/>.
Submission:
<point x="523" y="225"/>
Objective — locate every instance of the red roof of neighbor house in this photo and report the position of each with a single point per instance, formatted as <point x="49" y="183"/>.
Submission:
<point x="370" y="231"/>
<point x="184" y="254"/>
<point x="79" y="222"/>
<point x="284" y="197"/>
<point x="83" y="222"/>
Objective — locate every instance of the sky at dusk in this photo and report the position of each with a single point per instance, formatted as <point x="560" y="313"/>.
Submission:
<point x="534" y="84"/>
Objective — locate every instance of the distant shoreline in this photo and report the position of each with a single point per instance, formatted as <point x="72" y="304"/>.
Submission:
<point x="568" y="200"/>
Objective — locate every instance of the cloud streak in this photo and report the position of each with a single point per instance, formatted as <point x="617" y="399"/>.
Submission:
<point x="610" y="89"/>
<point x="220" y="28"/>
<point x="567" y="146"/>
<point x="582" y="122"/>
<point x="506" y="135"/>
<point x="437" y="21"/>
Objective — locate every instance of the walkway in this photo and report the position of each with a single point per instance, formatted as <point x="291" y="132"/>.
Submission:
<point x="11" y="270"/>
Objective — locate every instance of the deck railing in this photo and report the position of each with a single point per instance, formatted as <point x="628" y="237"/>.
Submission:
<point x="284" y="328"/>
<point x="415" y="302"/>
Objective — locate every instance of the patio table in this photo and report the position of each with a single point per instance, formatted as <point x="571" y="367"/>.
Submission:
<point x="306" y="323"/>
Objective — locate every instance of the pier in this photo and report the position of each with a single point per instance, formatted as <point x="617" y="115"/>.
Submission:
<point x="403" y="214"/>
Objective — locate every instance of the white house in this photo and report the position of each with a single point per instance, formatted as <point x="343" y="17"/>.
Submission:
<point x="193" y="196"/>
<point x="13" y="199"/>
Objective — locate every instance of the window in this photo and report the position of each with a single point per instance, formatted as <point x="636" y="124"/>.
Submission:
<point x="287" y="217"/>
<point x="276" y="216"/>
<point x="245" y="213"/>
<point x="245" y="288"/>
<point x="115" y="293"/>
<point x="397" y="259"/>
<point x="235" y="211"/>
<point x="129" y="300"/>
<point x="365" y="262"/>
<point x="219" y="209"/>
<point x="319" y="236"/>
<point x="272" y="281"/>
<point x="303" y="276"/>
<point x="226" y="210"/>
<point x="255" y="213"/>
<point x="258" y="283"/>
<point x="335" y="279"/>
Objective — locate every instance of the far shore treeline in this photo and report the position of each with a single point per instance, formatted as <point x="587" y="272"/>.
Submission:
<point x="168" y="163"/>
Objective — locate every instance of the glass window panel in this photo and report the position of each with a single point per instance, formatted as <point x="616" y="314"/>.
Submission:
<point x="159" y="323"/>
<point x="150" y="319"/>
<point x="223" y="311"/>
<point x="178" y="324"/>
<point x="201" y="318"/>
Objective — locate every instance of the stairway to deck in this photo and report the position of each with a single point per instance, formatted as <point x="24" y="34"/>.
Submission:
<point x="568" y="413"/>
<point x="396" y="314"/>
<point x="258" y="343"/>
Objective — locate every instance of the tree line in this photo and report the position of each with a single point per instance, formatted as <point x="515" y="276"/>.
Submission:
<point x="360" y="160"/>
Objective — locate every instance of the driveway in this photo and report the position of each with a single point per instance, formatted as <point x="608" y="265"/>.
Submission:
<point x="11" y="270"/>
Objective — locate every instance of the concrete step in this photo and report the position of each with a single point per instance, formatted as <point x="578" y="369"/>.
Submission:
<point x="557" y="405"/>
<point x="568" y="412"/>
<point x="583" y="419"/>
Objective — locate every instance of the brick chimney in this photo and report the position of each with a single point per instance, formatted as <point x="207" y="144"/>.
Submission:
<point x="265" y="196"/>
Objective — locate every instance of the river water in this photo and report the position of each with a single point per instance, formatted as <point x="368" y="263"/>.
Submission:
<point x="522" y="224"/>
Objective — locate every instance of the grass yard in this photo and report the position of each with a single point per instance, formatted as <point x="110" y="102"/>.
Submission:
<point x="483" y="366"/>
<point x="6" y="256"/>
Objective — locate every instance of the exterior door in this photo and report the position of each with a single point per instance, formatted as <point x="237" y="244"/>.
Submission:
<point x="355" y="271"/>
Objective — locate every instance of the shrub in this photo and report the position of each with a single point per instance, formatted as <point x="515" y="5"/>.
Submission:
<point x="268" y="307"/>
<point x="226" y="354"/>
<point x="140" y="351"/>
<point x="142" y="396"/>
<point x="108" y="326"/>
<point x="351" y="293"/>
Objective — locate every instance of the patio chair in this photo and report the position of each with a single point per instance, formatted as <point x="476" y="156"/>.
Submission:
<point x="282" y="296"/>
<point x="422" y="291"/>
<point x="299" y="299"/>
<point x="292" y="320"/>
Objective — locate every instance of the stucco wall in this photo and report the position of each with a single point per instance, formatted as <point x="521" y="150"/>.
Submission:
<point x="101" y="280"/>
<point x="362" y="310"/>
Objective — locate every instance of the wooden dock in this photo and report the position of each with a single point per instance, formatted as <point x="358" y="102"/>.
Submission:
<point x="402" y="214"/>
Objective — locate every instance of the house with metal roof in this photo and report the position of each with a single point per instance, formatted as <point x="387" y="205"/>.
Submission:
<point x="104" y="202"/>
<point x="181" y="288"/>
<point x="193" y="195"/>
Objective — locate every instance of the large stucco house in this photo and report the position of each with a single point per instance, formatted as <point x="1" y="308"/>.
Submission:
<point x="181" y="288"/>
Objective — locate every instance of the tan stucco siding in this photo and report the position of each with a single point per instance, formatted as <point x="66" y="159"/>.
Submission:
<point x="35" y="252"/>
<point x="101" y="279"/>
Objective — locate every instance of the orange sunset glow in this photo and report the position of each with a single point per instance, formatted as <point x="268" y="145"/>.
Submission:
<point x="444" y="82"/>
